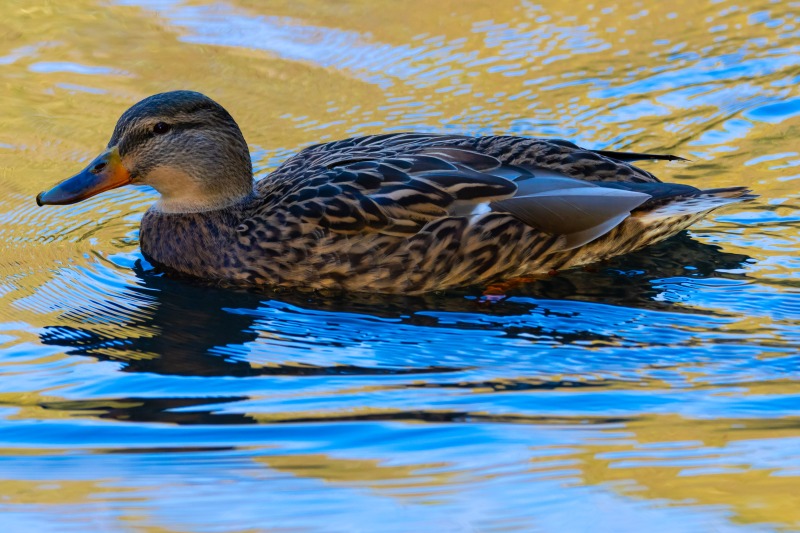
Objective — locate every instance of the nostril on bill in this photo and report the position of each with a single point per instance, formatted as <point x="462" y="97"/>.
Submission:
<point x="99" y="167"/>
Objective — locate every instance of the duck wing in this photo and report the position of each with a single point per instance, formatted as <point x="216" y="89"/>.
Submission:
<point x="398" y="193"/>
<point x="394" y="194"/>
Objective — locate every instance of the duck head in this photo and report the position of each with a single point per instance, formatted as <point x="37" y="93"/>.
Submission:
<point x="182" y="143"/>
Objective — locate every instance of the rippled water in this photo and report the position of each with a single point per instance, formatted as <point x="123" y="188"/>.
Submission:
<point x="655" y="392"/>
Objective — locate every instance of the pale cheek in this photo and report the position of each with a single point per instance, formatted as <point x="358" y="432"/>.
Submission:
<point x="172" y="182"/>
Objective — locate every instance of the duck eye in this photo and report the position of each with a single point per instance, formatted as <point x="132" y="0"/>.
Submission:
<point x="161" y="128"/>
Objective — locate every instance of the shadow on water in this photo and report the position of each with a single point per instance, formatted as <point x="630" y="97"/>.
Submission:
<point x="190" y="329"/>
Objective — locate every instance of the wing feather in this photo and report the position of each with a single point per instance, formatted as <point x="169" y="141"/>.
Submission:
<point x="397" y="183"/>
<point x="397" y="195"/>
<point x="567" y="211"/>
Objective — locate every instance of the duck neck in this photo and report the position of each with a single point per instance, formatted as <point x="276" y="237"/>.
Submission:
<point x="195" y="243"/>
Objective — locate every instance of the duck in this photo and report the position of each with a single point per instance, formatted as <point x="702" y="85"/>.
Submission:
<point x="403" y="213"/>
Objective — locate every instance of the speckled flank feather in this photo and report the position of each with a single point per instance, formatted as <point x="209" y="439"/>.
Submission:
<point x="393" y="213"/>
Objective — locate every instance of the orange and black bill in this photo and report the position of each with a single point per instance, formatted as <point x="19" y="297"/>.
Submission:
<point x="104" y="173"/>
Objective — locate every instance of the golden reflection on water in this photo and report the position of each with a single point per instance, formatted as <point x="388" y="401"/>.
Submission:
<point x="363" y="472"/>
<point x="549" y="67"/>
<point x="648" y="466"/>
<point x="60" y="492"/>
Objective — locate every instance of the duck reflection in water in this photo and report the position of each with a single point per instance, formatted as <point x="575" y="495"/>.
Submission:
<point x="193" y="329"/>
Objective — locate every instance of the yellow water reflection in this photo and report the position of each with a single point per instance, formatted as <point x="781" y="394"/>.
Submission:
<point x="364" y="472"/>
<point x="56" y="492"/>
<point x="681" y="462"/>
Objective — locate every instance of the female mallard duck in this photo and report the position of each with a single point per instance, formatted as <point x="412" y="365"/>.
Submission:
<point x="395" y="213"/>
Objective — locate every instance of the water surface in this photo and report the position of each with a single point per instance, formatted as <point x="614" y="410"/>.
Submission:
<point x="657" y="391"/>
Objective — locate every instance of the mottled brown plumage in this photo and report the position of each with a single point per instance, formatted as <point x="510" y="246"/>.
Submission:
<point x="396" y="213"/>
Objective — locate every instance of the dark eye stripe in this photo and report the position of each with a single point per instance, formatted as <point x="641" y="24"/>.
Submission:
<point x="140" y="136"/>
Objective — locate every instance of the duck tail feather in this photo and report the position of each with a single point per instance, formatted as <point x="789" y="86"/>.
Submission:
<point x="699" y="204"/>
<point x="629" y="157"/>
